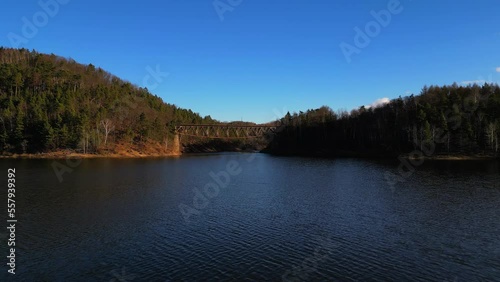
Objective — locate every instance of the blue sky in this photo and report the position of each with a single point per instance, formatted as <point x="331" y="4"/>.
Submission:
<point x="268" y="57"/>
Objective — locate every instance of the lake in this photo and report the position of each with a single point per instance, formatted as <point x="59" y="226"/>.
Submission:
<point x="253" y="217"/>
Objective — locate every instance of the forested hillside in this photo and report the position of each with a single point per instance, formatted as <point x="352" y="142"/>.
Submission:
<point x="49" y="103"/>
<point x="441" y="120"/>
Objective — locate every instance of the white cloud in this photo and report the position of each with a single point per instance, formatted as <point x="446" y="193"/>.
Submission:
<point x="378" y="103"/>
<point x="498" y="69"/>
<point x="478" y="82"/>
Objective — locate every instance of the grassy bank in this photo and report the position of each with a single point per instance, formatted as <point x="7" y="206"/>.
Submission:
<point x="122" y="150"/>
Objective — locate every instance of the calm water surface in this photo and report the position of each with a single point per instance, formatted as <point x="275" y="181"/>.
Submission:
<point x="265" y="218"/>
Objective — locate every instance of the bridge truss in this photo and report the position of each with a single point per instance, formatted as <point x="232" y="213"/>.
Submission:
<point x="221" y="131"/>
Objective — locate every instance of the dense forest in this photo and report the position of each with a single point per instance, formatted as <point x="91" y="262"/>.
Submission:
<point x="50" y="103"/>
<point x="451" y="120"/>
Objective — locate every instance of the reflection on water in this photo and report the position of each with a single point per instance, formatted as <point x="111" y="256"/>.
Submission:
<point x="278" y="218"/>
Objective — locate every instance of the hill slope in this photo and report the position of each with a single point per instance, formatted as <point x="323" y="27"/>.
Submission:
<point x="49" y="103"/>
<point x="442" y="120"/>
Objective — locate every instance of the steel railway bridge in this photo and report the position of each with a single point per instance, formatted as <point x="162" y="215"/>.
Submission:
<point x="224" y="131"/>
<point x="221" y="131"/>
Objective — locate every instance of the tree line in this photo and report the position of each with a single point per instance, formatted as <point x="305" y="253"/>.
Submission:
<point x="451" y="119"/>
<point x="50" y="103"/>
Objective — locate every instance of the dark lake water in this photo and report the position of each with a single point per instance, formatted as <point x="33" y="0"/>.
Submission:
<point x="254" y="218"/>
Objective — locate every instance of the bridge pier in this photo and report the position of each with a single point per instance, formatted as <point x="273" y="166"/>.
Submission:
<point x="176" y="146"/>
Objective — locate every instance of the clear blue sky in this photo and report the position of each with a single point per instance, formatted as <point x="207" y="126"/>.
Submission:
<point x="269" y="55"/>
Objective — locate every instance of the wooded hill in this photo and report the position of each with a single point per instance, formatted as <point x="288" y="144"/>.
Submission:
<point x="50" y="103"/>
<point x="451" y="120"/>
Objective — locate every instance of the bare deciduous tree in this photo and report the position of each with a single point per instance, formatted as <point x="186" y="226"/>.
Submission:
<point x="108" y="126"/>
<point x="492" y="136"/>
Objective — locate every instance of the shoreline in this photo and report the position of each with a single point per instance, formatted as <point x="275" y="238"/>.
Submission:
<point x="138" y="155"/>
<point x="62" y="155"/>
<point x="454" y="158"/>
<point x="364" y="155"/>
